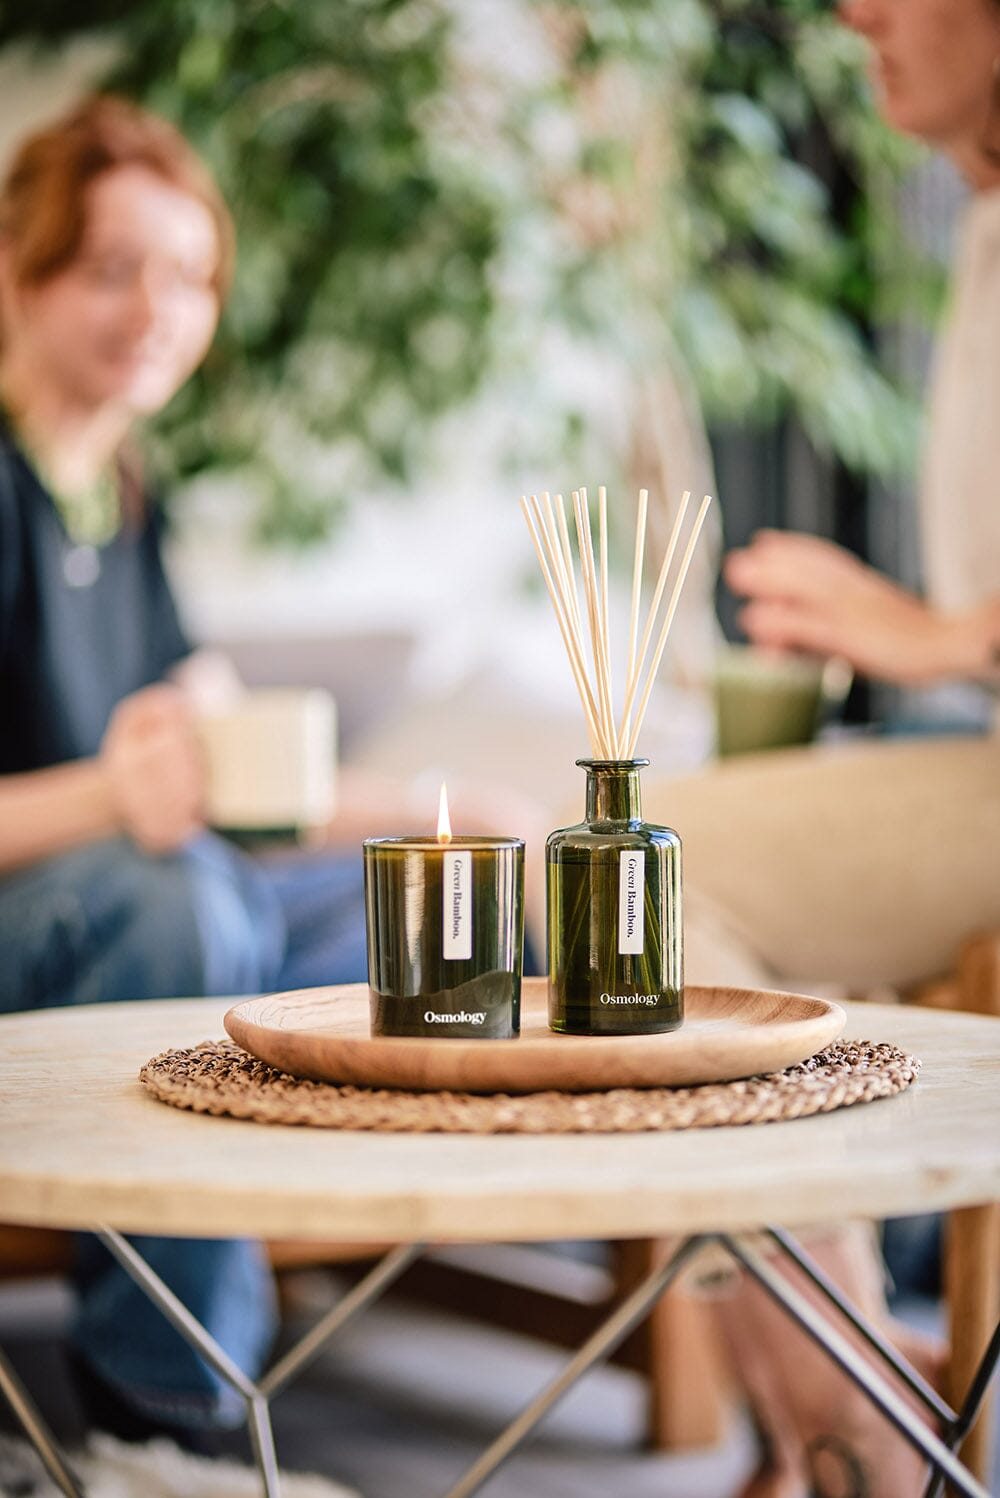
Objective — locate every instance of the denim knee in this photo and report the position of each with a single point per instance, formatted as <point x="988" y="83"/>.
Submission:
<point x="239" y="917"/>
<point x="108" y="922"/>
<point x="226" y="1285"/>
<point x="102" y="923"/>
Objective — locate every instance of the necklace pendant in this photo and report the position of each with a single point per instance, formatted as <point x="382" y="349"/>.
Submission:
<point x="81" y="566"/>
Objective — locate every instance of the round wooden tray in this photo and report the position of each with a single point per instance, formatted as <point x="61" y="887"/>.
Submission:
<point x="727" y="1033"/>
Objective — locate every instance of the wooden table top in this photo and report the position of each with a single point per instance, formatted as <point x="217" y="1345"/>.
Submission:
<point x="82" y="1143"/>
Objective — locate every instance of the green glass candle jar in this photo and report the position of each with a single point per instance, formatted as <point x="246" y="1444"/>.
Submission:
<point x="445" y="931"/>
<point x="614" y="914"/>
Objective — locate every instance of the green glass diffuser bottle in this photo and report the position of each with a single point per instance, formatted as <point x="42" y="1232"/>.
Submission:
<point x="614" y="913"/>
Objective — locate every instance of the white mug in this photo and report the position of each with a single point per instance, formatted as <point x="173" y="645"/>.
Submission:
<point x="271" y="758"/>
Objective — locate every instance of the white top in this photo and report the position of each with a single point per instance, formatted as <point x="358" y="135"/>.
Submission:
<point x="960" y="490"/>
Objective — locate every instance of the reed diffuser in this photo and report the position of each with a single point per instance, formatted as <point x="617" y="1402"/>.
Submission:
<point x="615" y="940"/>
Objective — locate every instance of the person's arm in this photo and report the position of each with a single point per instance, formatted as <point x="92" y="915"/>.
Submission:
<point x="807" y="594"/>
<point x="147" y="782"/>
<point x="46" y="812"/>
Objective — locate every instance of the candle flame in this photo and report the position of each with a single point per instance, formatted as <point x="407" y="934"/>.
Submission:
<point x="444" y="820"/>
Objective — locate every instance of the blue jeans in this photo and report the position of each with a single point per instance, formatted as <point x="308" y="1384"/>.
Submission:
<point x="108" y="923"/>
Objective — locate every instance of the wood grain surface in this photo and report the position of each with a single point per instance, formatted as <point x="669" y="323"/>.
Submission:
<point x="323" y="1033"/>
<point x="81" y="1142"/>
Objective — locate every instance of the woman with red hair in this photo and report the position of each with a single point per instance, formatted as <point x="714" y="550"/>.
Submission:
<point x="115" y="256"/>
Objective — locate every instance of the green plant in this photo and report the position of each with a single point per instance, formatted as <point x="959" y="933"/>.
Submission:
<point x="702" y="222"/>
<point x="361" y="306"/>
<point x="410" y="216"/>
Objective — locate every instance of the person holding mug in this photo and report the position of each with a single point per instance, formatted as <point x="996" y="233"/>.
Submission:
<point x="872" y="862"/>
<point x="116" y="253"/>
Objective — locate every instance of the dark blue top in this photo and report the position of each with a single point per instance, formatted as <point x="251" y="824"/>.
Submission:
<point x="80" y="627"/>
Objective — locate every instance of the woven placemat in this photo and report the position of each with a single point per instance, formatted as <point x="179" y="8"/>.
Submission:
<point x="219" y="1077"/>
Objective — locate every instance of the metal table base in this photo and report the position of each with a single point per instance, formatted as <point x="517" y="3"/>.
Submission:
<point x="938" y="1449"/>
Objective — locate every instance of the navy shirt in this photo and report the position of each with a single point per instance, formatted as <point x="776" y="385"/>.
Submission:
<point x="80" y="627"/>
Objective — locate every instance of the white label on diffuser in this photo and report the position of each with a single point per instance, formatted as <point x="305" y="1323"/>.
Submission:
<point x="456" y="935"/>
<point x="631" y="906"/>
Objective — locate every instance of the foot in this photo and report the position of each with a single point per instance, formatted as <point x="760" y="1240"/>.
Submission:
<point x="105" y="1409"/>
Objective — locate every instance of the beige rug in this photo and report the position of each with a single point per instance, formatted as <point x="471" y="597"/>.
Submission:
<point x="159" y="1469"/>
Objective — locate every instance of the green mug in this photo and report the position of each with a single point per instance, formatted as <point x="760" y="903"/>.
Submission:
<point x="767" y="699"/>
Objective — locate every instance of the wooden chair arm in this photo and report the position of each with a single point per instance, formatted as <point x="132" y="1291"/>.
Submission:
<point x="974" y="985"/>
<point x="27" y="1252"/>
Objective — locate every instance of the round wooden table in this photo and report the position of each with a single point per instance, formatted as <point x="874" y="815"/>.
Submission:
<point x="83" y="1146"/>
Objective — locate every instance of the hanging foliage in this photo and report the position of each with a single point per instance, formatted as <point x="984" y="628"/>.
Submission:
<point x="413" y="202"/>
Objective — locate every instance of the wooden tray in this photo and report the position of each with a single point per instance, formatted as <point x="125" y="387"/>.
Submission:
<point x="727" y="1033"/>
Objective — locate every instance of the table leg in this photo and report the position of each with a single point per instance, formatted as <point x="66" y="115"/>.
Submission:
<point x="839" y="1349"/>
<point x="603" y="1341"/>
<point x="256" y="1396"/>
<point x="364" y="1294"/>
<point x="875" y="1339"/>
<point x="971" y="1406"/>
<point x="600" y="1344"/>
<point x="956" y="1426"/>
<point x="191" y="1329"/>
<point x="972" y="1294"/>
<point x="38" y="1432"/>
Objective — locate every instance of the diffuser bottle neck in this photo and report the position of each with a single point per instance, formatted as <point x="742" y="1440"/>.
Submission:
<point x="613" y="793"/>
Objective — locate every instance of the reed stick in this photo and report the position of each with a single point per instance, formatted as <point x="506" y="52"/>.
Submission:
<point x="632" y="684"/>
<point x="586" y="543"/>
<point x="561" y="550"/>
<point x="568" y="553"/>
<point x="602" y="523"/>
<point x="561" y="566"/>
<point x="583" y="686"/>
<point x="550" y="534"/>
<point x="609" y="748"/>
<point x="640" y="549"/>
<point x="559" y="541"/>
<point x="668" y="620"/>
<point x="596" y="628"/>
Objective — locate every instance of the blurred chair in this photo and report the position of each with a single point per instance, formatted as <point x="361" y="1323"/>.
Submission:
<point x="972" y="1234"/>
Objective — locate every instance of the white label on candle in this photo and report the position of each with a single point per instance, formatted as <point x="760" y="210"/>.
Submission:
<point x="456" y="935"/>
<point x="631" y="906"/>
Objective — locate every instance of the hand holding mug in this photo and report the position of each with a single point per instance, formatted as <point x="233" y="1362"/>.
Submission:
<point x="807" y="594"/>
<point x="154" y="768"/>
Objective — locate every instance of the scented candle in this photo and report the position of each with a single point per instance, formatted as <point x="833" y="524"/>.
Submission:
<point x="445" y="931"/>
